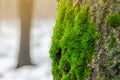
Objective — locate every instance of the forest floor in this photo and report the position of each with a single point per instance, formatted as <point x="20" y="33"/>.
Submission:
<point x="41" y="33"/>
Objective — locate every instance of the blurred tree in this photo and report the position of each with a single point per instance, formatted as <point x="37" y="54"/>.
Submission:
<point x="26" y="17"/>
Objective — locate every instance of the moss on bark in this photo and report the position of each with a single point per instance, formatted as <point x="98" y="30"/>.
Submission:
<point x="73" y="42"/>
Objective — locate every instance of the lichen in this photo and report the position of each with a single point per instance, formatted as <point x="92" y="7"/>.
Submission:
<point x="113" y="59"/>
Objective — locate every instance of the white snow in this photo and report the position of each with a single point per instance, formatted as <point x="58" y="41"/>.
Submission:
<point x="41" y="33"/>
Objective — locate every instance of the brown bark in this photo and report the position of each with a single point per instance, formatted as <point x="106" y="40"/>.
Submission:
<point x="26" y="17"/>
<point x="100" y="9"/>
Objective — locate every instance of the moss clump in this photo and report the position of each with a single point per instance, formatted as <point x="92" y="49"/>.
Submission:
<point x="113" y="20"/>
<point x="73" y="42"/>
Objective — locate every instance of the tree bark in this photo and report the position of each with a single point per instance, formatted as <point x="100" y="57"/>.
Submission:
<point x="26" y="17"/>
<point x="105" y="63"/>
<point x="100" y="10"/>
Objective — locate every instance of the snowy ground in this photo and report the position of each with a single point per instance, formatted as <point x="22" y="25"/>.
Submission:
<point x="9" y="47"/>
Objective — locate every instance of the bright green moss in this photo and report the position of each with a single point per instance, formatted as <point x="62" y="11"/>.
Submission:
<point x="113" y="20"/>
<point x="73" y="42"/>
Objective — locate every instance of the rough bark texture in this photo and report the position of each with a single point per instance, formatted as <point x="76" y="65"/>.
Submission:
<point x="73" y="58"/>
<point x="26" y="17"/>
<point x="104" y="66"/>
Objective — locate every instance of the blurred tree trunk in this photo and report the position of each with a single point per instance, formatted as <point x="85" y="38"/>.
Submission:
<point x="70" y="62"/>
<point x="26" y="17"/>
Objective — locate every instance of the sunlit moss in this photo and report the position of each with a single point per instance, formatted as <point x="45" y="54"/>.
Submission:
<point x="73" y="42"/>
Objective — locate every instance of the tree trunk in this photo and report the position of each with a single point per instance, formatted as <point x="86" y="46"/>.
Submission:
<point x="106" y="59"/>
<point x="82" y="51"/>
<point x="26" y="17"/>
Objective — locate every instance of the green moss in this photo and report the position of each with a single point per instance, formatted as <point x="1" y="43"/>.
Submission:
<point x="112" y="40"/>
<point x="113" y="20"/>
<point x="73" y="42"/>
<point x="110" y="63"/>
